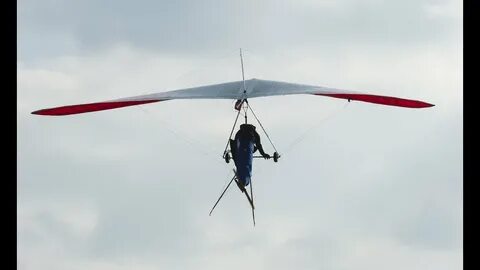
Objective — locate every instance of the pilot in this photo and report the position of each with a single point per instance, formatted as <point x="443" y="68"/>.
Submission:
<point x="245" y="136"/>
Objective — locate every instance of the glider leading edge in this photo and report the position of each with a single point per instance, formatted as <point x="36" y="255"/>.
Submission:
<point x="243" y="146"/>
<point x="234" y="90"/>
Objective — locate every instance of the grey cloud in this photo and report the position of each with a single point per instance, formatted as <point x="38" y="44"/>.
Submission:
<point x="209" y="26"/>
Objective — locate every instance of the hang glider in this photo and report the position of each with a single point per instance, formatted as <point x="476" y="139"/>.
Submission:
<point x="247" y="140"/>
<point x="234" y="90"/>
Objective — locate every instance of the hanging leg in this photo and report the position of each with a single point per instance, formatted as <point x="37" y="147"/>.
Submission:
<point x="253" y="209"/>
<point x="235" y="176"/>
<point x="244" y="191"/>
<point x="250" y="200"/>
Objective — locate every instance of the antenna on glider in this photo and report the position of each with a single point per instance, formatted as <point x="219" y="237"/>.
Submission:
<point x="243" y="73"/>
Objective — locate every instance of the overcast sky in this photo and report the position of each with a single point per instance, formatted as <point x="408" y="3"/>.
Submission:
<point x="359" y="185"/>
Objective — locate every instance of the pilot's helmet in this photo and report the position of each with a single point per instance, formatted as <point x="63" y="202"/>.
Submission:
<point x="247" y="127"/>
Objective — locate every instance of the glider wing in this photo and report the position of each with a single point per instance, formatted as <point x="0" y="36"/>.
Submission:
<point x="234" y="90"/>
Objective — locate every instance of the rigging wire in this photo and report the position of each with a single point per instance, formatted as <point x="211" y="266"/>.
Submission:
<point x="305" y="134"/>
<point x="230" y="136"/>
<point x="261" y="171"/>
<point x="178" y="135"/>
<point x="250" y="107"/>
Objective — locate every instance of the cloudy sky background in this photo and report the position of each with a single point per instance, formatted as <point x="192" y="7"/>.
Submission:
<point x="359" y="186"/>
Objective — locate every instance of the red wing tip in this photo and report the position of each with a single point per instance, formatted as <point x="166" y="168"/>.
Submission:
<point x="383" y="100"/>
<point x="91" y="107"/>
<point x="41" y="112"/>
<point x="422" y="104"/>
<point x="38" y="112"/>
<point x="48" y="112"/>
